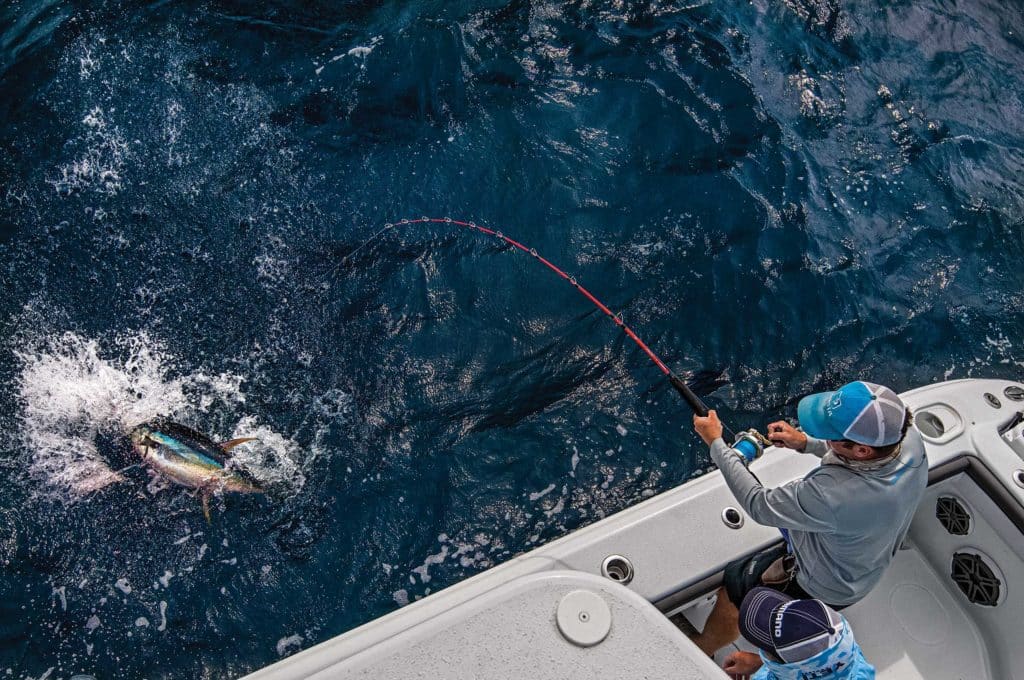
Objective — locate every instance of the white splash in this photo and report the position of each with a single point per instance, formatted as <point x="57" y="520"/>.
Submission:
<point x="74" y="391"/>
<point x="71" y="391"/>
<point x="472" y="553"/>
<point x="360" y="52"/>
<point x="557" y="508"/>
<point x="272" y="458"/>
<point x="811" y="103"/>
<point x="270" y="268"/>
<point x="99" y="167"/>
<point x="289" y="644"/>
<point x="163" y="616"/>
<point x="543" y="492"/>
<point x="424" y="569"/>
<point x="87" y="64"/>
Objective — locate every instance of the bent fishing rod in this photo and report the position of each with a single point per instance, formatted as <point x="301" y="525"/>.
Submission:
<point x="750" y="444"/>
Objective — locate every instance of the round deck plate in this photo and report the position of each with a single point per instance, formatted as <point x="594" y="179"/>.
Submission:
<point x="584" y="618"/>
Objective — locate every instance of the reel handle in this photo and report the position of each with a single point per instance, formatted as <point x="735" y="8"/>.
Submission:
<point x="750" y="444"/>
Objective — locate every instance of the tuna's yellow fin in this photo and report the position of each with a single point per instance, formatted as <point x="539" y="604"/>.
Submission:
<point x="206" y="506"/>
<point x="227" y="446"/>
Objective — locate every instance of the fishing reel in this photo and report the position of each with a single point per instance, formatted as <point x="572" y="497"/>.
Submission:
<point x="750" y="445"/>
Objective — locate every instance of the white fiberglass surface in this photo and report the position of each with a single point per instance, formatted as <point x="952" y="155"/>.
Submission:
<point x="918" y="624"/>
<point x="912" y="627"/>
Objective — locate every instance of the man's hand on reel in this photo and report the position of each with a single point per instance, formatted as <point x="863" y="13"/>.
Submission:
<point x="784" y="435"/>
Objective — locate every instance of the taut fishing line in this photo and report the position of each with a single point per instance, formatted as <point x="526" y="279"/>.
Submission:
<point x="680" y="386"/>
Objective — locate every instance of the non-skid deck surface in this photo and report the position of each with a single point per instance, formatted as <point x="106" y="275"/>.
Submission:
<point x="912" y="626"/>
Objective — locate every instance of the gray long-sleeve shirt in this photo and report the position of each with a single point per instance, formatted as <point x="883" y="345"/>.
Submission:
<point x="845" y="525"/>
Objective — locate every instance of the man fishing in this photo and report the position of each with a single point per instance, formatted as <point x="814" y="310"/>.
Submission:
<point x="844" y="521"/>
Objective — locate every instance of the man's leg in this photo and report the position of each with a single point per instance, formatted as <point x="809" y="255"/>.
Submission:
<point x="739" y="577"/>
<point x="722" y="627"/>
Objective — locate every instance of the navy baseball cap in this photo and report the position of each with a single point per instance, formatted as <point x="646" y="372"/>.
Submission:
<point x="794" y="630"/>
<point x="859" y="411"/>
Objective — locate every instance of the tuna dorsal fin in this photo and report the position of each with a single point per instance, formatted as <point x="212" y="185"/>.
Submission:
<point x="228" y="445"/>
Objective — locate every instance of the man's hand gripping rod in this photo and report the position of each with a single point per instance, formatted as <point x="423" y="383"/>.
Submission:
<point x="749" y="444"/>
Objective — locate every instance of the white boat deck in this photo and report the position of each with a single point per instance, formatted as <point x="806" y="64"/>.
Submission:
<point x="911" y="626"/>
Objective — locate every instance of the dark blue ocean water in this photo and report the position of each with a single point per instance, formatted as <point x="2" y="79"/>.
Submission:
<point x="780" y="197"/>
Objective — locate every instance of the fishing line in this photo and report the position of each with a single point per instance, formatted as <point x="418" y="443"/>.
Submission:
<point x="695" y="403"/>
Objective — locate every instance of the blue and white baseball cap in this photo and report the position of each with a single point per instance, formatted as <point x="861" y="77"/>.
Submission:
<point x="795" y="630"/>
<point x="859" y="411"/>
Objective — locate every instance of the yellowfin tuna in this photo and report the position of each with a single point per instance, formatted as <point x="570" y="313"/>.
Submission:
<point x="191" y="459"/>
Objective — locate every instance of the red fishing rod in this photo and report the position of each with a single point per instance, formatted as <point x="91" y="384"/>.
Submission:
<point x="750" y="444"/>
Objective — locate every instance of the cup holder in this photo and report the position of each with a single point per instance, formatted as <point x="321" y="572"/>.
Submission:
<point x="617" y="568"/>
<point x="732" y="518"/>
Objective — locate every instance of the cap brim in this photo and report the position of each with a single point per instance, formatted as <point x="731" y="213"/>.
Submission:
<point x="811" y="413"/>
<point x="817" y="627"/>
<point x="756" y="615"/>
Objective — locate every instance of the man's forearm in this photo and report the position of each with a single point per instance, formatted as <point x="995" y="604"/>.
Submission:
<point x="815" y="447"/>
<point x="738" y="478"/>
<point x="798" y="505"/>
